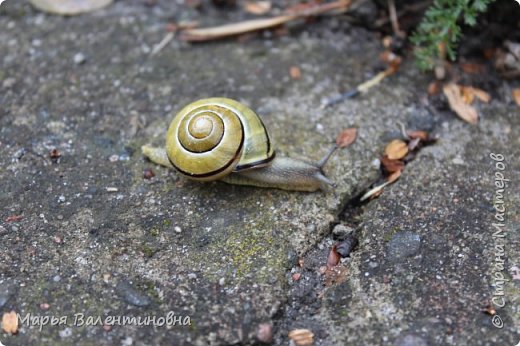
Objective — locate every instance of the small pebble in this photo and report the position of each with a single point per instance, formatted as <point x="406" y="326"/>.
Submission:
<point x="9" y="83"/>
<point x="345" y="247"/>
<point x="403" y="244"/>
<point x="113" y="158"/>
<point x="79" y="58"/>
<point x="458" y="161"/>
<point x="192" y="276"/>
<point x="222" y="281"/>
<point x="148" y="173"/>
<point x="265" y="333"/>
<point x="6" y="291"/>
<point x="177" y="229"/>
<point x="65" y="333"/>
<point x="341" y="230"/>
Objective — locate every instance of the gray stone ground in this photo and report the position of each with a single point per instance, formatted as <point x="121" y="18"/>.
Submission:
<point x="223" y="254"/>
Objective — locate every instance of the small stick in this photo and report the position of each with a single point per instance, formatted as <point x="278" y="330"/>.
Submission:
<point x="362" y="88"/>
<point x="394" y="20"/>
<point x="158" y="47"/>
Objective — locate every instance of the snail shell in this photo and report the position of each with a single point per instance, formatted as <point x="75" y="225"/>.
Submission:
<point x="219" y="138"/>
<point x="212" y="137"/>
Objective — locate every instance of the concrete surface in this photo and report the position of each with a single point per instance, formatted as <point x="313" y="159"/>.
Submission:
<point x="96" y="238"/>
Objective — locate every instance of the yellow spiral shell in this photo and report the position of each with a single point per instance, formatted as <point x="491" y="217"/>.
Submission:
<point x="212" y="137"/>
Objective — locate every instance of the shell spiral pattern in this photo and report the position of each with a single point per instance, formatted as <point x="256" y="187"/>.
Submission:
<point x="210" y="138"/>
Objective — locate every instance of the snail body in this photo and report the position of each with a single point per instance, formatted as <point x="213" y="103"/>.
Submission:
<point x="222" y="139"/>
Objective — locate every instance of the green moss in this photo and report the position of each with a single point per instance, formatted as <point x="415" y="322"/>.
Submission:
<point x="250" y="254"/>
<point x="388" y="236"/>
<point x="154" y="232"/>
<point x="148" y="251"/>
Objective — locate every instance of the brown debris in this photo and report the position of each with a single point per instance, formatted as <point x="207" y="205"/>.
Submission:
<point x="13" y="218"/>
<point x="218" y="32"/>
<point x="336" y="275"/>
<point x="476" y="92"/>
<point x="346" y="137"/>
<point x="434" y="88"/>
<point x="422" y="135"/>
<point x="148" y="173"/>
<point x="295" y="72"/>
<point x="516" y="96"/>
<point x="55" y="154"/>
<point x="333" y="258"/>
<point x="392" y="178"/>
<point x="10" y="322"/>
<point x="257" y="7"/>
<point x="456" y="101"/>
<point x="472" y="68"/>
<point x="390" y="165"/>
<point x="396" y="149"/>
<point x="397" y="153"/>
<point x="301" y="337"/>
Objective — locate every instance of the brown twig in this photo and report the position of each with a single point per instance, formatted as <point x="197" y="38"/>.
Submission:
<point x="227" y="30"/>
<point x="393" y="18"/>
<point x="407" y="9"/>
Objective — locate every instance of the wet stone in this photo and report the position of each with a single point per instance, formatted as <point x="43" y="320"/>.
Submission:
<point x="403" y="244"/>
<point x="130" y="295"/>
<point x="6" y="292"/>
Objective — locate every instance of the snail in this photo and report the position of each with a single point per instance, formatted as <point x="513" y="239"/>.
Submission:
<point x="222" y="139"/>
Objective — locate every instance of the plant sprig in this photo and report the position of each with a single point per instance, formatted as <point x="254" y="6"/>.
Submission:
<point x="439" y="31"/>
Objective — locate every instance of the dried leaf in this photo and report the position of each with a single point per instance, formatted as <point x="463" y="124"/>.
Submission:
<point x="392" y="166"/>
<point x="393" y="177"/>
<point x="422" y="135"/>
<point x="257" y="7"/>
<point x="346" y="137"/>
<point x="301" y="337"/>
<point x="295" y="72"/>
<point x="471" y="67"/>
<point x="10" y="322"/>
<point x="464" y="111"/>
<point x="212" y="33"/>
<point x="434" y="88"/>
<point x="467" y="95"/>
<point x="396" y="149"/>
<point x="373" y="192"/>
<point x="516" y="96"/>
<point x="70" y="7"/>
<point x="333" y="258"/>
<point x="479" y="93"/>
